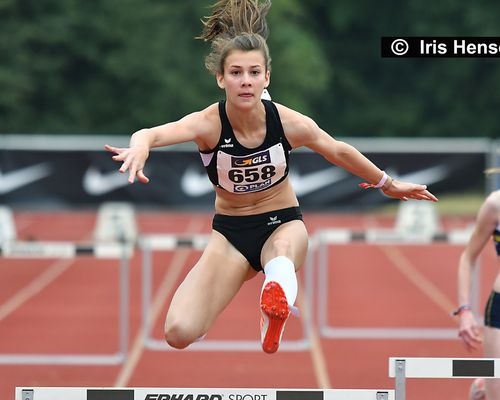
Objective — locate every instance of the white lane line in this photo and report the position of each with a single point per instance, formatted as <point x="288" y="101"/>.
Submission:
<point x="317" y="353"/>
<point x="412" y="273"/>
<point x="34" y="287"/>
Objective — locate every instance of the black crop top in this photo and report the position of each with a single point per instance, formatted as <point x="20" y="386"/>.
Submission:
<point x="238" y="169"/>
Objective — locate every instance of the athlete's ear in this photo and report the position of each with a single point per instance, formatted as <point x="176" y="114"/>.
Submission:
<point x="220" y="80"/>
<point x="268" y="78"/>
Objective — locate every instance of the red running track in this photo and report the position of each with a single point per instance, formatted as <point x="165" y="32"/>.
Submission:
<point x="70" y="306"/>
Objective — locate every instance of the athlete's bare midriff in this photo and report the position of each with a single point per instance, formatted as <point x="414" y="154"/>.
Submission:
<point x="275" y="198"/>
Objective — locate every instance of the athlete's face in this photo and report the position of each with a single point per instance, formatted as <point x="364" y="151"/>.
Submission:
<point x="244" y="77"/>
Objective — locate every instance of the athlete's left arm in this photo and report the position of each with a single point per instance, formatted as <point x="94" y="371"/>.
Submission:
<point x="303" y="131"/>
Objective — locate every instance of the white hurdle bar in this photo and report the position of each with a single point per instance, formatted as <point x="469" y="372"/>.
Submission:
<point x="74" y="393"/>
<point x="422" y="367"/>
<point x="324" y="238"/>
<point x="67" y="250"/>
<point x="162" y="242"/>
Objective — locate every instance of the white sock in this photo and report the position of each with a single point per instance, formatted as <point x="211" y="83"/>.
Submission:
<point x="281" y="270"/>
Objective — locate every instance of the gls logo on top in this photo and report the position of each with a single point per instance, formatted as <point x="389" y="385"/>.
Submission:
<point x="249" y="161"/>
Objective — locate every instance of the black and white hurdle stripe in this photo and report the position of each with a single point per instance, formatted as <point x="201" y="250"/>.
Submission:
<point x="43" y="249"/>
<point x="425" y="367"/>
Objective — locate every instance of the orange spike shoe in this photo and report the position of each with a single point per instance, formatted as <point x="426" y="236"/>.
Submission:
<point x="274" y="314"/>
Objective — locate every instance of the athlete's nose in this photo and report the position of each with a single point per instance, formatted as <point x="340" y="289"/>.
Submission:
<point x="246" y="80"/>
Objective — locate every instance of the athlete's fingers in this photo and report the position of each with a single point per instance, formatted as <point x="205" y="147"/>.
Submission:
<point x="423" y="196"/>
<point x="430" y="196"/>
<point x="472" y="343"/>
<point x="471" y="338"/>
<point x="126" y="165"/>
<point x="119" y="157"/>
<point x="113" y="149"/>
<point x="142" y="178"/>
<point x="132" y="173"/>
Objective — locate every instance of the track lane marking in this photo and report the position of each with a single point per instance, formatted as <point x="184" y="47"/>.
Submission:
<point x="316" y="352"/>
<point x="406" y="267"/>
<point x="34" y="287"/>
<point x="40" y="282"/>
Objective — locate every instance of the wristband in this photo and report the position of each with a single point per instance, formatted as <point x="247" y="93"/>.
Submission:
<point x="462" y="308"/>
<point x="381" y="183"/>
<point x="387" y="184"/>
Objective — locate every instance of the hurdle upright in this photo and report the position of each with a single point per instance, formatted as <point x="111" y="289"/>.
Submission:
<point x="447" y="368"/>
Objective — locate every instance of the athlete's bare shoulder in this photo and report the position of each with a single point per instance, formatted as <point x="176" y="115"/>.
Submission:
<point x="493" y="201"/>
<point x="208" y="126"/>
<point x="299" y="129"/>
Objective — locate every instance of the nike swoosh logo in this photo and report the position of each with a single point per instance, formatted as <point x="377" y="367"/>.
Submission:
<point x="194" y="183"/>
<point x="426" y="176"/>
<point x="13" y="180"/>
<point x="308" y="183"/>
<point x="97" y="183"/>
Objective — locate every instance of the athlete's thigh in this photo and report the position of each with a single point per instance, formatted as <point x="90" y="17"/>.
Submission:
<point x="294" y="236"/>
<point x="210" y="285"/>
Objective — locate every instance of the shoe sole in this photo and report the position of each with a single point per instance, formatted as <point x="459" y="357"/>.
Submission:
<point x="274" y="305"/>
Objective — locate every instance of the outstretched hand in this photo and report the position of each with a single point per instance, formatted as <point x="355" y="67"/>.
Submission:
<point x="405" y="191"/>
<point x="469" y="331"/>
<point x="133" y="160"/>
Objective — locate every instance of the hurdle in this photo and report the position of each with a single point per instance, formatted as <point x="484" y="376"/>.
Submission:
<point x="161" y="242"/>
<point x="416" y="224"/>
<point x="401" y="368"/>
<point x="74" y="393"/>
<point x="112" y="240"/>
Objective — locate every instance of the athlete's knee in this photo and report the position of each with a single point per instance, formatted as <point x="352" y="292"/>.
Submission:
<point x="178" y="334"/>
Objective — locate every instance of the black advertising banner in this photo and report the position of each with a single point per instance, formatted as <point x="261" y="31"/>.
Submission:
<point x="86" y="178"/>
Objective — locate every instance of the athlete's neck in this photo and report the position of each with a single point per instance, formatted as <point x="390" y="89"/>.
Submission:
<point x="246" y="122"/>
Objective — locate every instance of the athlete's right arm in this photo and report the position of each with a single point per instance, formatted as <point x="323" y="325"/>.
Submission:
<point x="194" y="127"/>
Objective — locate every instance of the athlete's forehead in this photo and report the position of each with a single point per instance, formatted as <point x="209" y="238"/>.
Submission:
<point x="245" y="59"/>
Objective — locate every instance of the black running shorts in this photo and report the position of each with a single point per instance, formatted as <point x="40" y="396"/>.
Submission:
<point x="248" y="233"/>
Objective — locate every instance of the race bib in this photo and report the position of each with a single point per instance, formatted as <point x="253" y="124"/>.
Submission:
<point x="253" y="172"/>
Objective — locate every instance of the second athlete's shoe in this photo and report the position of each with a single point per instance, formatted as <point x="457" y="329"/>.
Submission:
<point x="274" y="313"/>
